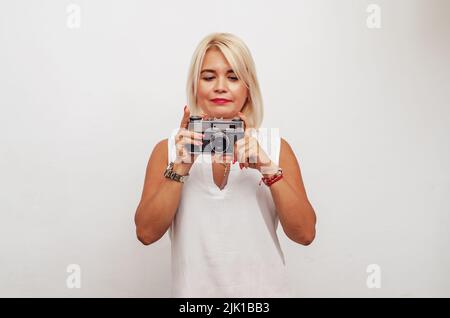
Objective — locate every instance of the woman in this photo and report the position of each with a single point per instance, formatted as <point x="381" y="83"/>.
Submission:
<point x="222" y="222"/>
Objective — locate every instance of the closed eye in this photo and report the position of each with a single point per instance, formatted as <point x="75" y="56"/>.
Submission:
<point x="233" y="78"/>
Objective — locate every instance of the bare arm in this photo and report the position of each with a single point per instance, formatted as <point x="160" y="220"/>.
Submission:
<point x="161" y="196"/>
<point x="296" y="214"/>
<point x="292" y="205"/>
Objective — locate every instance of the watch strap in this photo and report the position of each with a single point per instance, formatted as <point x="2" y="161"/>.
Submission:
<point x="172" y="175"/>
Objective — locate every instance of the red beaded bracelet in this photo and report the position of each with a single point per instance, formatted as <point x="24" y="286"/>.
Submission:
<point x="268" y="181"/>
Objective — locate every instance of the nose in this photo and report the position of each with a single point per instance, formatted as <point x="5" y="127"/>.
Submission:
<point x="220" y="86"/>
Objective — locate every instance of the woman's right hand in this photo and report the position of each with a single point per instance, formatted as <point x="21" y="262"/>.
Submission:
<point x="184" y="160"/>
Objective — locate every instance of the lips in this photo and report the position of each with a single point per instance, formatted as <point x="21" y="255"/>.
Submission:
<point x="220" y="101"/>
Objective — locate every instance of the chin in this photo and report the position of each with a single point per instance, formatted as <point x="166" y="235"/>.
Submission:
<point x="224" y="115"/>
<point x="225" y="111"/>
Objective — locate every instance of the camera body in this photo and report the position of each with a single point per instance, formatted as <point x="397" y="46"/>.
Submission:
<point x="220" y="135"/>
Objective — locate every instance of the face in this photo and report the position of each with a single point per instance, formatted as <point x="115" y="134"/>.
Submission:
<point x="220" y="93"/>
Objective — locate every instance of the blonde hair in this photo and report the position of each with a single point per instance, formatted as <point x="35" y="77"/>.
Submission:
<point x="241" y="61"/>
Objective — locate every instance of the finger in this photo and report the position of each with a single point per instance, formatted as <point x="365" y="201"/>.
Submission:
<point x="250" y="152"/>
<point x="186" y="147"/>
<point x="187" y="157"/>
<point x="246" y="156"/>
<point x="188" y="133"/>
<point x="238" y="153"/>
<point x="242" y="151"/>
<point x="236" y="150"/>
<point x="185" y="119"/>
<point x="180" y="154"/>
<point x="189" y="141"/>
<point x="241" y="156"/>
<point x="253" y="151"/>
<point x="242" y="145"/>
<point x="183" y="151"/>
<point x="251" y="156"/>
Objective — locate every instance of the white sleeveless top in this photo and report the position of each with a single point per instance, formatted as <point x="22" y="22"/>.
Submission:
<point x="224" y="242"/>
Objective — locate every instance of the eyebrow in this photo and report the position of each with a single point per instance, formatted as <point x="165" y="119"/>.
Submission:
<point x="213" y="71"/>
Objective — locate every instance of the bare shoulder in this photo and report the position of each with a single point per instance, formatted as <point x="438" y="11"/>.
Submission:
<point x="291" y="168"/>
<point x="287" y="155"/>
<point x="160" y="150"/>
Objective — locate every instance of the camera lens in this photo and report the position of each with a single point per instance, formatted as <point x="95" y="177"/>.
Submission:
<point x="219" y="142"/>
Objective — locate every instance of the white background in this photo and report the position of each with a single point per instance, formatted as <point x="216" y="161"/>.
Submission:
<point x="365" y="110"/>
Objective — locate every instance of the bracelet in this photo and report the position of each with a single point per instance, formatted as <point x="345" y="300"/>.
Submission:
<point x="172" y="175"/>
<point x="268" y="181"/>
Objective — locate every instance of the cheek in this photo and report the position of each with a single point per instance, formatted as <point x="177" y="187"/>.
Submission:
<point x="240" y="92"/>
<point x="203" y="91"/>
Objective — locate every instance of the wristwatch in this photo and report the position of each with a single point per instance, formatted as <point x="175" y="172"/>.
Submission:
<point x="170" y="174"/>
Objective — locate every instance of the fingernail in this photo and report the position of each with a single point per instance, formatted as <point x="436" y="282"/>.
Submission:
<point x="185" y="106"/>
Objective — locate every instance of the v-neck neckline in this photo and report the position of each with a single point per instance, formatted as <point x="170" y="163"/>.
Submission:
<point x="226" y="180"/>
<point x="212" y="185"/>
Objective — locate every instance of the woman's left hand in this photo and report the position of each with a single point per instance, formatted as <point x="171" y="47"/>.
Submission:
<point x="249" y="153"/>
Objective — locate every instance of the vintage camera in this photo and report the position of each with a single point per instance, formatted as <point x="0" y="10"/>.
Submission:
<point x="220" y="135"/>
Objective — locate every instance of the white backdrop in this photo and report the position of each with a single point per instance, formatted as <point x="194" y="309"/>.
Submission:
<point x="87" y="90"/>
